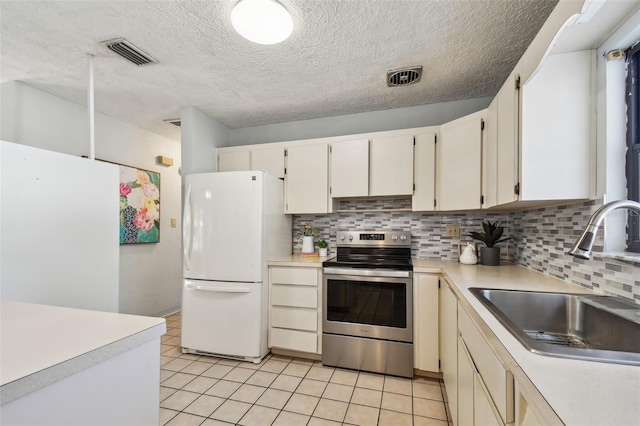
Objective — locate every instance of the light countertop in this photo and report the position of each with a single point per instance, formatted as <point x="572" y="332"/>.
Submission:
<point x="299" y="261"/>
<point x="580" y="392"/>
<point x="42" y="344"/>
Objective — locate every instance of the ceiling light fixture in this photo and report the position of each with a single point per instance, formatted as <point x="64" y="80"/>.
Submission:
<point x="262" y="21"/>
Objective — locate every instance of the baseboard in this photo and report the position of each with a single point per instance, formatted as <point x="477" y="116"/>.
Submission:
<point x="167" y="312"/>
<point x="296" y="354"/>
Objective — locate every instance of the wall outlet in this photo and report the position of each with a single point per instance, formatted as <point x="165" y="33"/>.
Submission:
<point x="453" y="230"/>
<point x="173" y="222"/>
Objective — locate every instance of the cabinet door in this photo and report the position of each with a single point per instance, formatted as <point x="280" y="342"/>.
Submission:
<point x="558" y="95"/>
<point x="449" y="346"/>
<point x="391" y="166"/>
<point x="424" y="171"/>
<point x="307" y="179"/>
<point x="490" y="157"/>
<point x="459" y="161"/>
<point x="271" y="160"/>
<point x="425" y="322"/>
<point x="350" y="168"/>
<point x="466" y="372"/>
<point x="482" y="412"/>
<point x="234" y="161"/>
<point x="508" y="139"/>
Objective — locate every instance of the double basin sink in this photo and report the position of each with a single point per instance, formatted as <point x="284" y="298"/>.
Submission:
<point x="580" y="326"/>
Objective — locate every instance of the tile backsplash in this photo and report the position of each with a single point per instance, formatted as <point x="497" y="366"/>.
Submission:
<point x="540" y="241"/>
<point x="543" y="236"/>
<point x="427" y="229"/>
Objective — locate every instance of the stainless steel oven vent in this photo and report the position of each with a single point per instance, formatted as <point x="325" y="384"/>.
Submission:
<point x="129" y="52"/>
<point x="404" y="76"/>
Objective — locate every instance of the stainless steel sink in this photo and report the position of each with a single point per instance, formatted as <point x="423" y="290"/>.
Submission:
<point x="582" y="326"/>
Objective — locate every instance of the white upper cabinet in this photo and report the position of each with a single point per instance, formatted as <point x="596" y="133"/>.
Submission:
<point x="307" y="179"/>
<point x="490" y="157"/>
<point x="391" y="166"/>
<point x="556" y="142"/>
<point x="350" y="168"/>
<point x="459" y="163"/>
<point x="424" y="171"/>
<point x="508" y="99"/>
<point x="271" y="160"/>
<point x="380" y="167"/>
<point x="234" y="161"/>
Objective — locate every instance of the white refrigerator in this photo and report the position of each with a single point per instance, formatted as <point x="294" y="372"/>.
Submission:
<point x="233" y="223"/>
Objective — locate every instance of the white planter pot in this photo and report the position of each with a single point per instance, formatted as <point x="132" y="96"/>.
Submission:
<point x="323" y="251"/>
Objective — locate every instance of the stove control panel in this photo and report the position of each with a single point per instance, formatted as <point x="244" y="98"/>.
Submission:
<point x="379" y="238"/>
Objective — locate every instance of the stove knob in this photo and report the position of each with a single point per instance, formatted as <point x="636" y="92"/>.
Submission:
<point x="342" y="237"/>
<point x="350" y="237"/>
<point x="394" y="237"/>
<point x="403" y="237"/>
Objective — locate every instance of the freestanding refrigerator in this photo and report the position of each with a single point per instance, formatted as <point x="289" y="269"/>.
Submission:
<point x="233" y="223"/>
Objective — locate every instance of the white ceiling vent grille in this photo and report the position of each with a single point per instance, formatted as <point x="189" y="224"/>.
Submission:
<point x="404" y="76"/>
<point x="129" y="52"/>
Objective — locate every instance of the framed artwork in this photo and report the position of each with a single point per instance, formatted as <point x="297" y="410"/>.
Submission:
<point x="139" y="206"/>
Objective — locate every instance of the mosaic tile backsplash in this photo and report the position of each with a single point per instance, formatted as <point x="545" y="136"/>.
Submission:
<point x="540" y="238"/>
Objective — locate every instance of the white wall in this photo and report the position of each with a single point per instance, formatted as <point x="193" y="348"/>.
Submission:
<point x="365" y="122"/>
<point x="59" y="225"/>
<point x="150" y="274"/>
<point x="200" y="135"/>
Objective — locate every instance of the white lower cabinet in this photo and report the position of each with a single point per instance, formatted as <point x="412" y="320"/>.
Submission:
<point x="480" y="388"/>
<point x="449" y="346"/>
<point x="425" y="322"/>
<point x="495" y="378"/>
<point x="295" y="308"/>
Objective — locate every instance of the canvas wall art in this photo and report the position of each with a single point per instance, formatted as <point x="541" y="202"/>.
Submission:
<point x="139" y="206"/>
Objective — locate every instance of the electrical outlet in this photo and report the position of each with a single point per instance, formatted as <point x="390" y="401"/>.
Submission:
<point x="453" y="230"/>
<point x="173" y="222"/>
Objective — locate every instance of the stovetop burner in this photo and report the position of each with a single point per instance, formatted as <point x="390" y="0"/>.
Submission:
<point x="373" y="250"/>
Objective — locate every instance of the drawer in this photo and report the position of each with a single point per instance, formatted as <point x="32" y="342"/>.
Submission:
<point x="296" y="296"/>
<point x="294" y="340"/>
<point x="294" y="318"/>
<point x="497" y="379"/>
<point x="294" y="276"/>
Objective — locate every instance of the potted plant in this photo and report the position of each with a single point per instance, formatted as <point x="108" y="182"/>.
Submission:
<point x="323" y="247"/>
<point x="492" y="235"/>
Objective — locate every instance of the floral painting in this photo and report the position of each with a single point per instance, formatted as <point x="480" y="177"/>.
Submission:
<point x="139" y="206"/>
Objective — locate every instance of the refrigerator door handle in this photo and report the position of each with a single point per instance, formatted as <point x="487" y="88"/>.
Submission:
<point x="191" y="286"/>
<point x="187" y="230"/>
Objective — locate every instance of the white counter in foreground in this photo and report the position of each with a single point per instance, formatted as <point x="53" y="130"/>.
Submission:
<point x="72" y="366"/>
<point x="580" y="392"/>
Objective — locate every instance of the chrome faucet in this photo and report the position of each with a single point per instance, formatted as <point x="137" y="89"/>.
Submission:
<point x="582" y="247"/>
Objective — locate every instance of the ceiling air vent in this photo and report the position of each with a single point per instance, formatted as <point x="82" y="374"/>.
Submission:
<point x="128" y="51"/>
<point x="174" y="121"/>
<point x="404" y="76"/>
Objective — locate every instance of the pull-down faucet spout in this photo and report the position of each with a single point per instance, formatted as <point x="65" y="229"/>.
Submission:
<point x="582" y="247"/>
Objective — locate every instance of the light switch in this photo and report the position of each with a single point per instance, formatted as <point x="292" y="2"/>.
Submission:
<point x="173" y="222"/>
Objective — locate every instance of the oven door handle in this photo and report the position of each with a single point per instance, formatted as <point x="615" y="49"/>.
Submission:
<point x="368" y="272"/>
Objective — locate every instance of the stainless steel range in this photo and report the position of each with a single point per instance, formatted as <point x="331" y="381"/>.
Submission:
<point x="367" y="319"/>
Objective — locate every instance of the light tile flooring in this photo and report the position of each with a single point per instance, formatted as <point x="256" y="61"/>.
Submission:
<point x="208" y="391"/>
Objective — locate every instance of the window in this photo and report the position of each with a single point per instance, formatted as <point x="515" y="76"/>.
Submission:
<point x="633" y="144"/>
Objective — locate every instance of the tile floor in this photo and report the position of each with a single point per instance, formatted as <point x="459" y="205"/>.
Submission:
<point x="208" y="391"/>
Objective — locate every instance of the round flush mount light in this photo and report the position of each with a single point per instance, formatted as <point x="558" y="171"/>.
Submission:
<point x="262" y="21"/>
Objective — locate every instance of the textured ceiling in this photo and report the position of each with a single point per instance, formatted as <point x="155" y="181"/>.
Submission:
<point x="334" y="63"/>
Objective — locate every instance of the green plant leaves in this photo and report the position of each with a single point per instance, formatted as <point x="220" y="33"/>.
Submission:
<point x="492" y="234"/>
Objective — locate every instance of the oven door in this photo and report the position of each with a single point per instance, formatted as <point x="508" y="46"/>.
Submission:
<point x="376" y="304"/>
